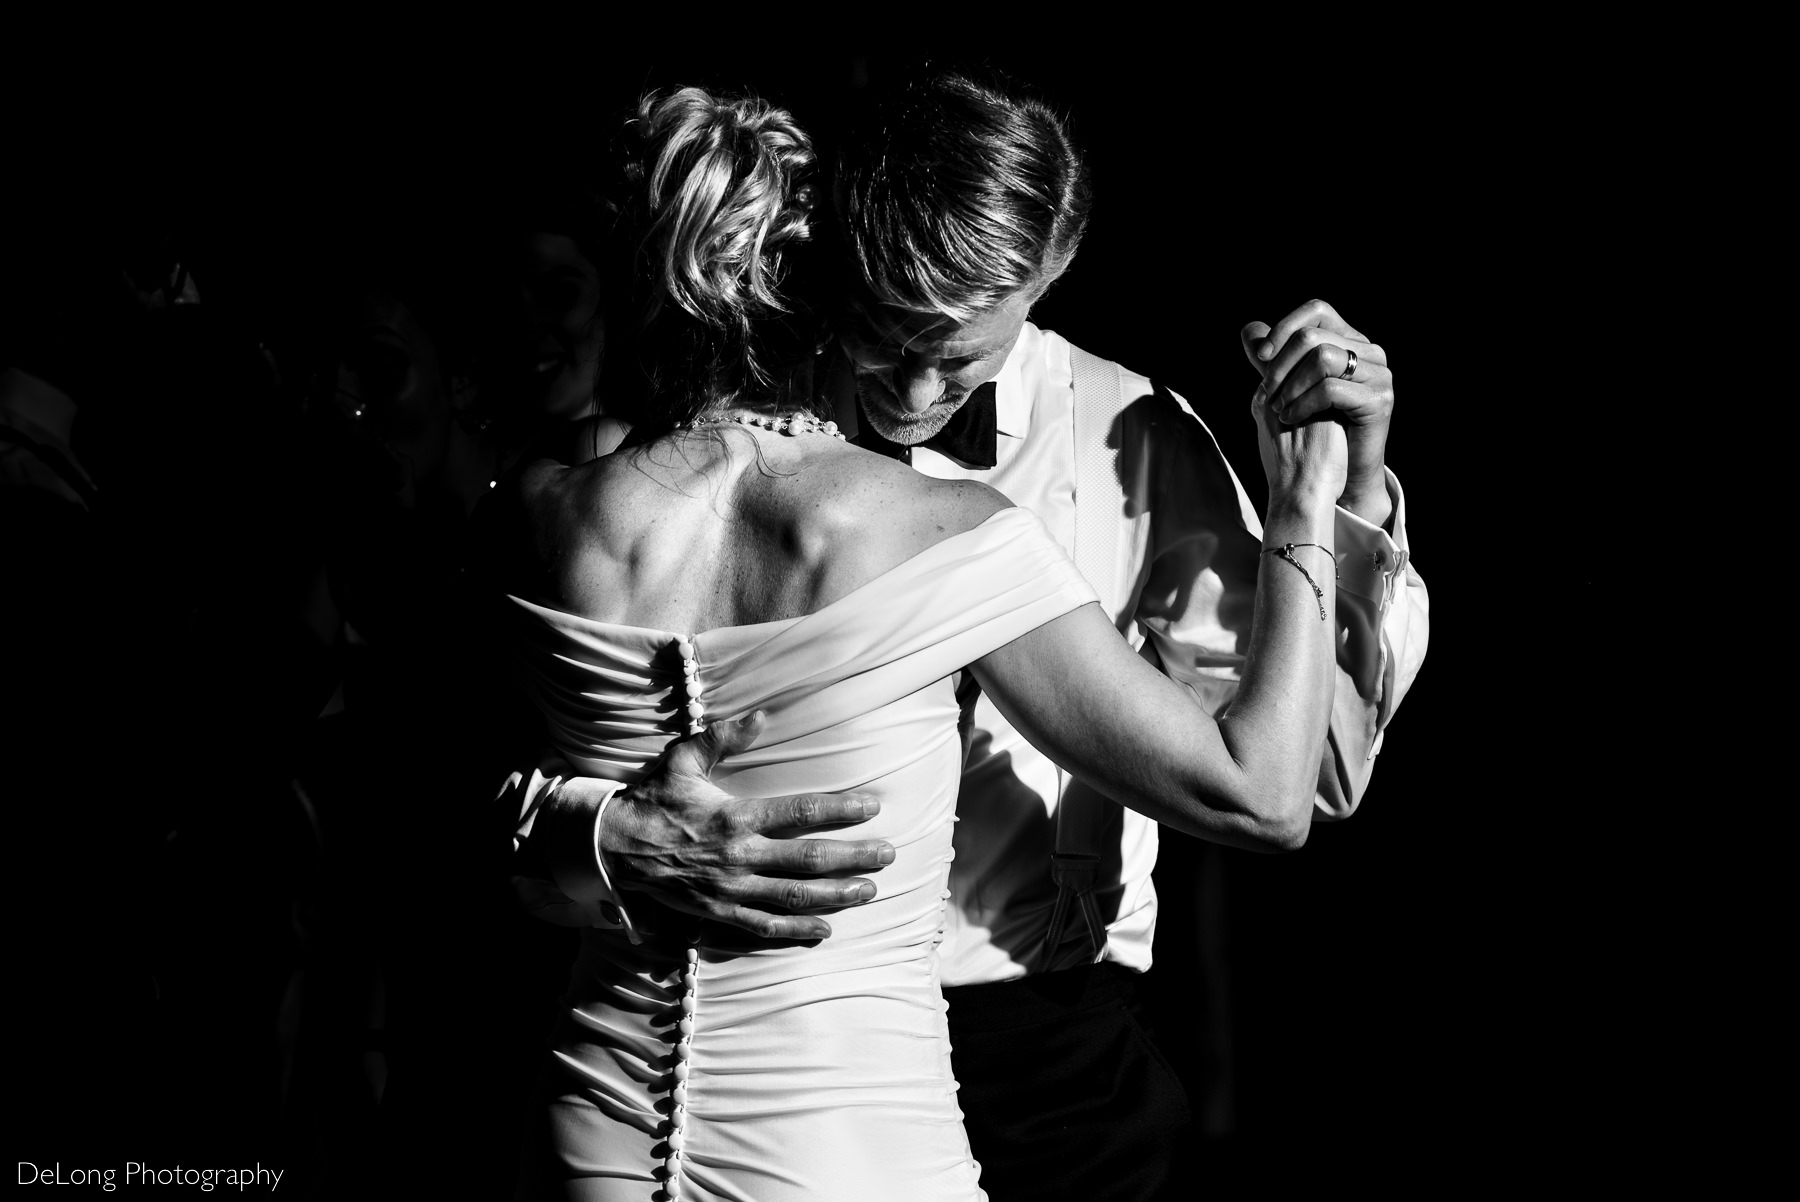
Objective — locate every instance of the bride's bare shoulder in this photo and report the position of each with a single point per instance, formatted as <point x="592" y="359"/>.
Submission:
<point x="882" y="502"/>
<point x="958" y="505"/>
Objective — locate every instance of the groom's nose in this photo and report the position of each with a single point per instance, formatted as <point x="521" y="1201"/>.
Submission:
<point x="919" y="388"/>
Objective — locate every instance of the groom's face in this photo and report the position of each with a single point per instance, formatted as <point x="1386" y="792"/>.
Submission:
<point x="914" y="371"/>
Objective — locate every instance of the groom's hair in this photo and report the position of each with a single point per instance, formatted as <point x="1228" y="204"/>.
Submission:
<point x="955" y="194"/>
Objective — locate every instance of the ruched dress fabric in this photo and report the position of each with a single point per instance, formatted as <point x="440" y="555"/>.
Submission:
<point x="819" y="1071"/>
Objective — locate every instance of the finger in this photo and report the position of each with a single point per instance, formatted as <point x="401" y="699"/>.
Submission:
<point x="734" y="735"/>
<point x="1325" y="396"/>
<point x="1314" y="314"/>
<point x="1252" y="337"/>
<point x="1314" y="320"/>
<point x="698" y="755"/>
<point x="1326" y="361"/>
<point x="1307" y="342"/>
<point x="793" y="896"/>
<point x="819" y="857"/>
<point x="805" y="811"/>
<point x="1360" y="403"/>
<point x="803" y="927"/>
<point x="1261" y="412"/>
<point x="756" y="904"/>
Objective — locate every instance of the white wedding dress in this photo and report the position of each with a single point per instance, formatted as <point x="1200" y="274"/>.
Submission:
<point x="808" y="1072"/>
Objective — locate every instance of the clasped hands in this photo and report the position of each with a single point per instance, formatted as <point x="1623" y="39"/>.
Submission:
<point x="1303" y="360"/>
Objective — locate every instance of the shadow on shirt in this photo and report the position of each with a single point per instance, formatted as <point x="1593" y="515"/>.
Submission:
<point x="1200" y="550"/>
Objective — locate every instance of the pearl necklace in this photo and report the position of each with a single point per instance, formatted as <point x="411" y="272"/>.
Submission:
<point x="788" y="423"/>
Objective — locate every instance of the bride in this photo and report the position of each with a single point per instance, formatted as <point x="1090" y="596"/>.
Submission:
<point x="736" y="556"/>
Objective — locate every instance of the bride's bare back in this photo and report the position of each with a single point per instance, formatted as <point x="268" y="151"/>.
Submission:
<point x="731" y="526"/>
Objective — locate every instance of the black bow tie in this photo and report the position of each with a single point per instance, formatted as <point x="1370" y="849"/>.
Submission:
<point x="968" y="437"/>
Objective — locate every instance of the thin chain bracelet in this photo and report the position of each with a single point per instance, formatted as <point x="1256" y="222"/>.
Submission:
<point x="1286" y="551"/>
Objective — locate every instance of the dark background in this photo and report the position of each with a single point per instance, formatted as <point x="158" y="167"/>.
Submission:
<point x="1419" y="986"/>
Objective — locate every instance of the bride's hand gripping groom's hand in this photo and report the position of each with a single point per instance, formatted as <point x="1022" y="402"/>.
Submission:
<point x="1313" y="361"/>
<point x="1305" y="462"/>
<point x="695" y="848"/>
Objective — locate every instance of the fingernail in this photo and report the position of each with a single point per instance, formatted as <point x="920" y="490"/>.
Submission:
<point x="865" y="891"/>
<point x="1266" y="350"/>
<point x="870" y="807"/>
<point x="885" y="855"/>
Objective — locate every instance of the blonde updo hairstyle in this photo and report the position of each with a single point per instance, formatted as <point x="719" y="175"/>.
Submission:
<point x="719" y="191"/>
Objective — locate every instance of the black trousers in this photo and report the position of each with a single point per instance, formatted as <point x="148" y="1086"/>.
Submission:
<point x="1064" y="1093"/>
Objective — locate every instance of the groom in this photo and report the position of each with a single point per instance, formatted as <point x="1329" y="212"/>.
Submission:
<point x="959" y="204"/>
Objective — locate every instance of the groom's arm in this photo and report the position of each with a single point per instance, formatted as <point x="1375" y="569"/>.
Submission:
<point x="583" y="846"/>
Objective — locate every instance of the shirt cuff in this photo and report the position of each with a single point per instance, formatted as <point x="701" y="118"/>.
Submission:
<point x="1369" y="559"/>
<point x="566" y="831"/>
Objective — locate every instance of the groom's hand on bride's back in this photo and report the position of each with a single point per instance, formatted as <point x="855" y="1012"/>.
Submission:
<point x="690" y="845"/>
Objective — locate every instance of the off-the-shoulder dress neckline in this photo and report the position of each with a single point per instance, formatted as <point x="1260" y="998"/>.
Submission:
<point x="850" y="597"/>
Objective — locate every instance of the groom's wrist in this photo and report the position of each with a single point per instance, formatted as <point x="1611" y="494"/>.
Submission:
<point x="575" y="809"/>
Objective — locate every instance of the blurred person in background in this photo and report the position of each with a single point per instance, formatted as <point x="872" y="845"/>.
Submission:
<point x="410" y="398"/>
<point x="155" y="547"/>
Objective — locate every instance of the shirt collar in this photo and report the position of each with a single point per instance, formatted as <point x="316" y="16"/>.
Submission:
<point x="1012" y="404"/>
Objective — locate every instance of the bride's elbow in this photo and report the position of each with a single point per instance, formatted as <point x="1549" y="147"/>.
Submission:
<point x="1268" y="800"/>
<point x="1289" y="831"/>
<point x="1278" y="822"/>
<point x="1256" y="815"/>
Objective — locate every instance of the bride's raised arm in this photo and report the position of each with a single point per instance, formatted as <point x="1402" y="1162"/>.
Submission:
<point x="1078" y="692"/>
